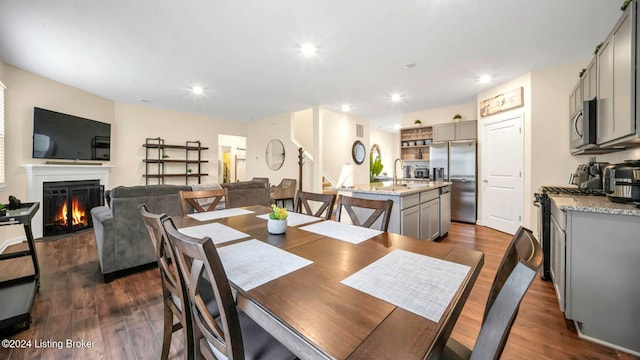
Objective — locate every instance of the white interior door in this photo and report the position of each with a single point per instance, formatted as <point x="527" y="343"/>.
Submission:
<point x="502" y="173"/>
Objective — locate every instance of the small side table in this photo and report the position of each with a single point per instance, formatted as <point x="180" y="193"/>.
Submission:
<point x="17" y="294"/>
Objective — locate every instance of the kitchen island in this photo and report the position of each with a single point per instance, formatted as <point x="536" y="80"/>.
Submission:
<point x="421" y="208"/>
<point x="594" y="267"/>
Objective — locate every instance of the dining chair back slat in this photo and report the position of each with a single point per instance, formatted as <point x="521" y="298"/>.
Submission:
<point x="198" y="259"/>
<point x="515" y="274"/>
<point x="381" y="209"/>
<point x="173" y="290"/>
<point x="194" y="200"/>
<point x="305" y="202"/>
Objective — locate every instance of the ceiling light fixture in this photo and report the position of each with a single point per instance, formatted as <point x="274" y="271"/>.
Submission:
<point x="308" y="49"/>
<point x="345" y="108"/>
<point x="396" y="97"/>
<point x="198" y="90"/>
<point x="484" y="79"/>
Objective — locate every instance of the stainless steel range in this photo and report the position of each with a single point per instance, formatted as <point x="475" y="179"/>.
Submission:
<point x="543" y="203"/>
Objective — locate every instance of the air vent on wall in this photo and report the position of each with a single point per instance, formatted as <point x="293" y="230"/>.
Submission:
<point x="359" y="130"/>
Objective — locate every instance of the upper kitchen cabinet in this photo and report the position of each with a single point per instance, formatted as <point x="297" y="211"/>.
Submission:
<point x="616" y="75"/>
<point x="589" y="81"/>
<point x="575" y="100"/>
<point x="463" y="130"/>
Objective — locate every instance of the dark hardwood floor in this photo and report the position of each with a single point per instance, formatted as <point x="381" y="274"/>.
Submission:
<point x="123" y="319"/>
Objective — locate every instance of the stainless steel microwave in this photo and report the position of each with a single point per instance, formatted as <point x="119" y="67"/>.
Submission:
<point x="583" y="126"/>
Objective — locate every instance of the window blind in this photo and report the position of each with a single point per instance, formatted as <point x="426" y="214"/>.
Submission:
<point x="2" y="87"/>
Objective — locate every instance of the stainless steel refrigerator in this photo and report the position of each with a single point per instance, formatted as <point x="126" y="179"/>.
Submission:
<point x="458" y="158"/>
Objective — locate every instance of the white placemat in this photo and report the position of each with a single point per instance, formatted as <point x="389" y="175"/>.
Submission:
<point x="219" y="233"/>
<point x="295" y="219"/>
<point x="417" y="283"/>
<point x="341" y="231"/>
<point x="252" y="263"/>
<point x="219" y="214"/>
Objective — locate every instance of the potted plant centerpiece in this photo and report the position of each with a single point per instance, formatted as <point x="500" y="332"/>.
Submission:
<point x="457" y="117"/>
<point x="277" y="222"/>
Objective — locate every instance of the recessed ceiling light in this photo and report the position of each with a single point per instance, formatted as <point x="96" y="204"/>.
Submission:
<point x="308" y="49"/>
<point x="485" y="79"/>
<point x="345" y="108"/>
<point x="198" y="90"/>
<point x="396" y="97"/>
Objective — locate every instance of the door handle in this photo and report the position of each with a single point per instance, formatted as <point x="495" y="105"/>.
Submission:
<point x="485" y="181"/>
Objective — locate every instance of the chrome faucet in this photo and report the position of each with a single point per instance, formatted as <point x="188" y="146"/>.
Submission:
<point x="395" y="170"/>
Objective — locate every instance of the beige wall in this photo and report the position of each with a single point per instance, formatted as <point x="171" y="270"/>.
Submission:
<point x="339" y="134"/>
<point x="389" y="147"/>
<point x="259" y="133"/>
<point x="2" y="70"/>
<point x="525" y="82"/>
<point x="303" y="128"/>
<point x="131" y="124"/>
<point x="551" y="161"/>
<point x="135" y="123"/>
<point x="440" y="115"/>
<point x="24" y="91"/>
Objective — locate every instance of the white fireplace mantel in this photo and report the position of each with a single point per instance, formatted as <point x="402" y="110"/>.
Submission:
<point x="38" y="174"/>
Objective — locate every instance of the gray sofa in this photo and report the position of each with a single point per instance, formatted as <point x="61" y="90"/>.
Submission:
<point x="122" y="239"/>
<point x="247" y="193"/>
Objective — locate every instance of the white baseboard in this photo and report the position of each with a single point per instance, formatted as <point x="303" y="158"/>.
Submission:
<point x="10" y="242"/>
<point x="602" y="342"/>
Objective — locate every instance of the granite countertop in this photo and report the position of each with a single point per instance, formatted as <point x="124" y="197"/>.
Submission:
<point x="596" y="204"/>
<point x="402" y="189"/>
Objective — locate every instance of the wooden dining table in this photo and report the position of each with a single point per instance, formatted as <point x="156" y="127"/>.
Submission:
<point x="317" y="317"/>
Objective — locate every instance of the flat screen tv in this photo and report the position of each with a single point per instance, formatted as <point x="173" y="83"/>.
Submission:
<point x="68" y="137"/>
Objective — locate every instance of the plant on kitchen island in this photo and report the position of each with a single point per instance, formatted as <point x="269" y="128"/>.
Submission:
<point x="457" y="117"/>
<point x="417" y="122"/>
<point x="375" y="162"/>
<point x="625" y="4"/>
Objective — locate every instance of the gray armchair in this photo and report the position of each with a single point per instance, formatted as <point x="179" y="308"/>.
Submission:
<point x="122" y="239"/>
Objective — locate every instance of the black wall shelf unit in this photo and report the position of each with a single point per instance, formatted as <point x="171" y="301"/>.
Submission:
<point x="159" y="156"/>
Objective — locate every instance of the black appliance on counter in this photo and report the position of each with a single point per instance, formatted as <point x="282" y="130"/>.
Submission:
<point x="622" y="182"/>
<point x="543" y="203"/>
<point x="421" y="172"/>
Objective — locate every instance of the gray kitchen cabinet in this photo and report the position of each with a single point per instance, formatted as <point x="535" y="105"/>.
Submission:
<point x="594" y="268"/>
<point x="466" y="130"/>
<point x="589" y="80"/>
<point x="444" y="132"/>
<point x="410" y="221"/>
<point x="558" y="256"/>
<point x="445" y="210"/>
<point x="575" y="100"/>
<point x="430" y="219"/>
<point x="616" y="82"/>
<point x="463" y="130"/>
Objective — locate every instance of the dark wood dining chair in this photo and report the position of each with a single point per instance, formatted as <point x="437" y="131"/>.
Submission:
<point x="202" y="200"/>
<point x="174" y="293"/>
<point x="515" y="274"/>
<point x="232" y="335"/>
<point x="306" y="201"/>
<point x="381" y="209"/>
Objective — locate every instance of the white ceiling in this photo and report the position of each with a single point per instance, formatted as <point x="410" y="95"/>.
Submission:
<point x="245" y="53"/>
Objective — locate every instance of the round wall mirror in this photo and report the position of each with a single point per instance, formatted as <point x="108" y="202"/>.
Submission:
<point x="274" y="155"/>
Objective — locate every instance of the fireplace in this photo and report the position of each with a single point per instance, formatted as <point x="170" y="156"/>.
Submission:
<point x="67" y="205"/>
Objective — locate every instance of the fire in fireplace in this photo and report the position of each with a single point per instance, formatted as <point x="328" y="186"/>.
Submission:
<point x="67" y="205"/>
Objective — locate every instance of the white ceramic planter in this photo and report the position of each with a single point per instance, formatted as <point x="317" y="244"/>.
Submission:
<point x="275" y="226"/>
